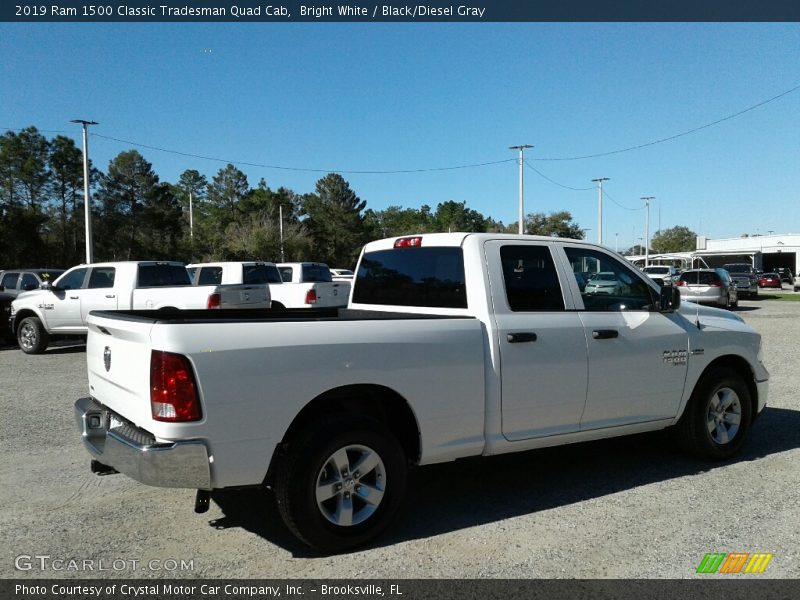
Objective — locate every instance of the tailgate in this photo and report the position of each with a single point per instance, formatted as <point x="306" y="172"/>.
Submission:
<point x="336" y="293"/>
<point x="244" y="296"/>
<point x="118" y="364"/>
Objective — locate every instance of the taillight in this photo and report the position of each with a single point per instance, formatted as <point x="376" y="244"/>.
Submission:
<point x="311" y="296"/>
<point x="173" y="392"/>
<point x="214" y="300"/>
<point x="408" y="242"/>
<point x="681" y="282"/>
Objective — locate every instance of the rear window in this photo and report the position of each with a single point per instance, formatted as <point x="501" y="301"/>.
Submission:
<point x="316" y="273"/>
<point x="431" y="277"/>
<point x="255" y="274"/>
<point x="162" y="275"/>
<point x="700" y="277"/>
<point x="738" y="268"/>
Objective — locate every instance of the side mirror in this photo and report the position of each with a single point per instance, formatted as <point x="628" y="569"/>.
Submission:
<point x="670" y="298"/>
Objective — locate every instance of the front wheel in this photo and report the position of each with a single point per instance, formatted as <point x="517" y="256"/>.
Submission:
<point x="340" y="483"/>
<point x="717" y="417"/>
<point x="31" y="336"/>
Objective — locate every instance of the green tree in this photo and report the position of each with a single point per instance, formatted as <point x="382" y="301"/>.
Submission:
<point x="558" y="224"/>
<point x="335" y="221"/>
<point x="124" y="191"/>
<point x="228" y="188"/>
<point x="395" y="220"/>
<point x="24" y="176"/>
<point x="675" y="239"/>
<point x="455" y="216"/>
<point x="66" y="166"/>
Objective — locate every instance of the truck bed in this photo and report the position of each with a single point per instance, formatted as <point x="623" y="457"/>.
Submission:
<point x="260" y="315"/>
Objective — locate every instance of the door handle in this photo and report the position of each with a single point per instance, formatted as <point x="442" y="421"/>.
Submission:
<point x="605" y="334"/>
<point x="74" y="297"/>
<point x="525" y="336"/>
<point x="110" y="296"/>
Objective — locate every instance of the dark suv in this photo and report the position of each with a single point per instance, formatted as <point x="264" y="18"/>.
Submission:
<point x="744" y="277"/>
<point x="16" y="281"/>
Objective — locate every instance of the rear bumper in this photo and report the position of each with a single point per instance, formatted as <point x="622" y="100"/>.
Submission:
<point x="112" y="441"/>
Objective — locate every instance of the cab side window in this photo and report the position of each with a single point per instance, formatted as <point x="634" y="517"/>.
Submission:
<point x="530" y="278"/>
<point x="29" y="282"/>
<point x="606" y="284"/>
<point x="210" y="276"/>
<point x="73" y="280"/>
<point x="102" y="277"/>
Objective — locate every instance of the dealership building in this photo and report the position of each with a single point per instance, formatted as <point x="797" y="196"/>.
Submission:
<point x="765" y="252"/>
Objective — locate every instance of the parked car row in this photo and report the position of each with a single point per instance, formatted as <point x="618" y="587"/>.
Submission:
<point x="36" y="304"/>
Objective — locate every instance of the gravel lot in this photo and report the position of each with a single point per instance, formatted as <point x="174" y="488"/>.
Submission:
<point x="629" y="508"/>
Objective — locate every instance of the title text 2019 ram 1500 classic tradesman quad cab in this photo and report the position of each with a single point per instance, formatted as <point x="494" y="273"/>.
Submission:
<point x="453" y="345"/>
<point x="63" y="307"/>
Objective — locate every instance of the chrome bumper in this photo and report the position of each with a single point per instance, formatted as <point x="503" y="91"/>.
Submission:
<point x="136" y="453"/>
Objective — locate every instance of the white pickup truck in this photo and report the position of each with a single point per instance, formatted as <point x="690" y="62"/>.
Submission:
<point x="314" y="285"/>
<point x="453" y="345"/>
<point x="308" y="294"/>
<point x="61" y="308"/>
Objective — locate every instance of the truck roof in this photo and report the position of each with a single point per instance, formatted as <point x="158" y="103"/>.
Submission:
<point x="458" y="239"/>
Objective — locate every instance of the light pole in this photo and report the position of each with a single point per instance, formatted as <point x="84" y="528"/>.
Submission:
<point x="600" y="181"/>
<point x="521" y="149"/>
<point x="87" y="205"/>
<point x="647" y="229"/>
<point x="616" y="242"/>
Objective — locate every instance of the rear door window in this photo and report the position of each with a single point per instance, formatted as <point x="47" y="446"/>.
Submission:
<point x="530" y="278"/>
<point x="429" y="277"/>
<point x="102" y="277"/>
<point x="286" y="274"/>
<point x="28" y="282"/>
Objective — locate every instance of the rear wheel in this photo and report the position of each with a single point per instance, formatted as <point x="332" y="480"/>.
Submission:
<point x="717" y="418"/>
<point x="31" y="336"/>
<point x="340" y="483"/>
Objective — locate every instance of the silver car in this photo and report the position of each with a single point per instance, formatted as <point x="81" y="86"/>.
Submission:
<point x="708" y="286"/>
<point x="605" y="282"/>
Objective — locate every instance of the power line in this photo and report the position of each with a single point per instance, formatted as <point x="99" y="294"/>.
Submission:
<point x="678" y="135"/>
<point x="566" y="187"/>
<point x="303" y="169"/>
<point x="607" y="195"/>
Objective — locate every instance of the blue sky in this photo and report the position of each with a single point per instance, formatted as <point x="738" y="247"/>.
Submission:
<point x="376" y="97"/>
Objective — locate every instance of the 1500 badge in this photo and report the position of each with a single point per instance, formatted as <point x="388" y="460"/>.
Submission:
<point x="45" y="306"/>
<point x="675" y="357"/>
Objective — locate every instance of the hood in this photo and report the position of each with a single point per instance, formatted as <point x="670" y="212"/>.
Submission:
<point x="31" y="296"/>
<point x="708" y="316"/>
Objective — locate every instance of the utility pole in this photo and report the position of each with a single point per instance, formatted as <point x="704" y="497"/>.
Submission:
<point x="647" y="229"/>
<point x="280" y="226"/>
<point x="600" y="181"/>
<point x="616" y="242"/>
<point x="191" y="217"/>
<point x="521" y="149"/>
<point x="87" y="204"/>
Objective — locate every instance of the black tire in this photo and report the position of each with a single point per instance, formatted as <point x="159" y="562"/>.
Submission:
<point x="308" y="464"/>
<point x="706" y="409"/>
<point x="31" y="336"/>
<point x="277" y="306"/>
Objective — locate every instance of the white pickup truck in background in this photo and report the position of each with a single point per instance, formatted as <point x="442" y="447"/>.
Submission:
<point x="314" y="293"/>
<point x="61" y="308"/>
<point x="316" y="284"/>
<point x="453" y="345"/>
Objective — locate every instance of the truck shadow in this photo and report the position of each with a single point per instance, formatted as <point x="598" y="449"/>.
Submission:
<point x="476" y="491"/>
